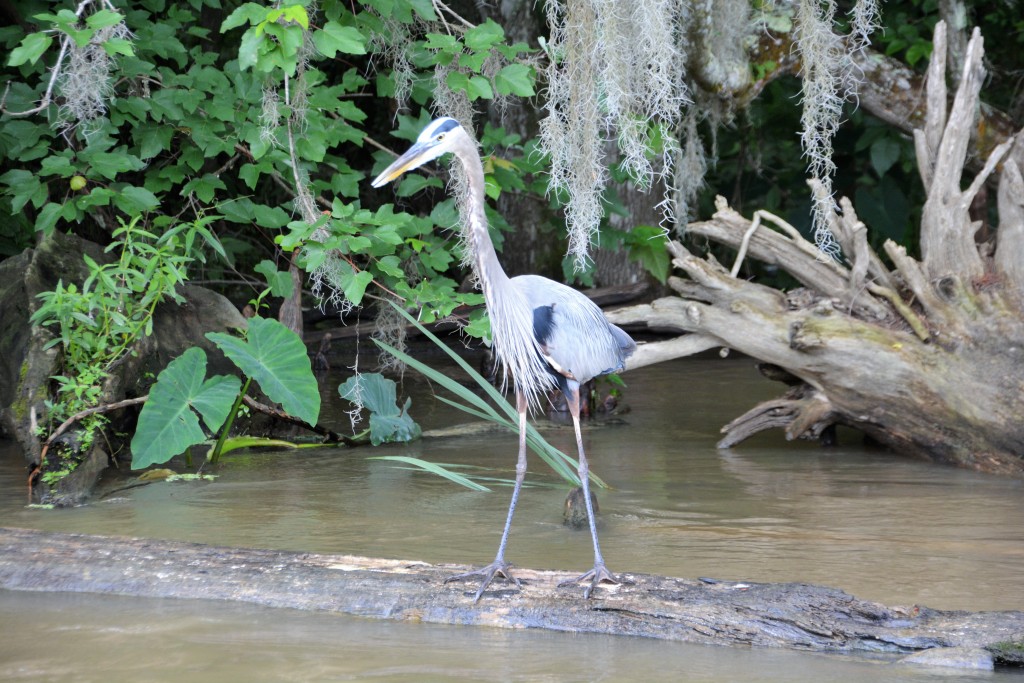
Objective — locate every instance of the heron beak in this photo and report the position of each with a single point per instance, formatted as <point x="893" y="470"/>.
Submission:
<point x="415" y="157"/>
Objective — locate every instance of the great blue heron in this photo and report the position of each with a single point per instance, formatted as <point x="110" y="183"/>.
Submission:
<point x="545" y="335"/>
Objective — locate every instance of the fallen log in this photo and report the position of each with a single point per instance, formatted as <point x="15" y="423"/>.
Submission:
<point x="790" y="615"/>
<point x="920" y="355"/>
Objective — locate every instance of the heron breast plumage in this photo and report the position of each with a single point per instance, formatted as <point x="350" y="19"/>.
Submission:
<point x="575" y="338"/>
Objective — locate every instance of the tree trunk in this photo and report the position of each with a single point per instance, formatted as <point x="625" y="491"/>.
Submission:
<point x="708" y="611"/>
<point x="926" y="357"/>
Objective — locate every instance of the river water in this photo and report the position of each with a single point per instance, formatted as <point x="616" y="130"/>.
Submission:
<point x="878" y="526"/>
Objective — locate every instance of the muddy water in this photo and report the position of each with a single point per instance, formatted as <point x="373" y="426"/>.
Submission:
<point x="881" y="528"/>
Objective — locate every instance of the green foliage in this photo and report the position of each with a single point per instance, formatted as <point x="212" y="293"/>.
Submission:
<point x="196" y="118"/>
<point x="275" y="357"/>
<point x="496" y="410"/>
<point x="97" y="324"/>
<point x="646" y="244"/>
<point x="168" y="423"/>
<point x="440" y="470"/>
<point x="270" y="354"/>
<point x="377" y="394"/>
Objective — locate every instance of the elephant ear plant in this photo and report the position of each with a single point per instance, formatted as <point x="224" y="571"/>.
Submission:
<point x="269" y="354"/>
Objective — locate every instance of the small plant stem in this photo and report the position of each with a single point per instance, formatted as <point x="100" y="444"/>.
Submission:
<point x="215" y="456"/>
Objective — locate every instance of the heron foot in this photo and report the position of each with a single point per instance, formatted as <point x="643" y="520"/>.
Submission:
<point x="496" y="568"/>
<point x="599" y="574"/>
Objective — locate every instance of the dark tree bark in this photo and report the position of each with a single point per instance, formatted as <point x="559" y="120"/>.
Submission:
<point x="926" y="357"/>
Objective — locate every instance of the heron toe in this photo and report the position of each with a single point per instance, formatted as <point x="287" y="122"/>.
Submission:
<point x="488" y="573"/>
<point x="599" y="574"/>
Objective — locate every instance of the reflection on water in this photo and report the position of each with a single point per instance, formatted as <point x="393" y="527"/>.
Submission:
<point x="87" y="638"/>
<point x="879" y="527"/>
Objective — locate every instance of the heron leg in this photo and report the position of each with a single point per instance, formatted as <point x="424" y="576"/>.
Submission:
<point x="499" y="567"/>
<point x="599" y="573"/>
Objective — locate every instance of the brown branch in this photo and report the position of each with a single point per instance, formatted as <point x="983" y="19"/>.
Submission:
<point x="64" y="426"/>
<point x="329" y="435"/>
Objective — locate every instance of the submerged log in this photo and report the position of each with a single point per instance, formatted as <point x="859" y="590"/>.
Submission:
<point x="789" y="615"/>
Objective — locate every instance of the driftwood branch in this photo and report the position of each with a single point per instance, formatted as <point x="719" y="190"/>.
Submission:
<point x="924" y="356"/>
<point x="791" y="615"/>
<point x="1008" y="259"/>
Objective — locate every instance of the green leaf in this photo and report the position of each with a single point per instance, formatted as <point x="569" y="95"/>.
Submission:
<point x="249" y="49"/>
<point x="168" y="423"/>
<point x="234" y="443"/>
<point x="204" y="187"/>
<point x="276" y="359"/>
<point x="443" y="42"/>
<point x="515" y="79"/>
<point x="561" y="463"/>
<point x="376" y="393"/>
<point x="109" y="164"/>
<point x="479" y="88"/>
<point x="135" y="200"/>
<point x="24" y="186"/>
<point x="648" y="244"/>
<point x="483" y="36"/>
<point x="47" y="218"/>
<point x="251" y="13"/>
<point x="31" y="49"/>
<point x="279" y="281"/>
<point x="884" y="153"/>
<point x="334" y="38"/>
<point x="103" y="19"/>
<point x="434" y="468"/>
<point x="354" y="284"/>
<point x="118" y="46"/>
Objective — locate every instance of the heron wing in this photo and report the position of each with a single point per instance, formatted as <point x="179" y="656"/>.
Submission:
<point x="575" y="338"/>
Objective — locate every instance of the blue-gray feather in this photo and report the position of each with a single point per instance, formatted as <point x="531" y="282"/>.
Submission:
<point x="576" y="336"/>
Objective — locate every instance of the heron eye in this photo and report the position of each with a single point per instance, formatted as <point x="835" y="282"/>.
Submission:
<point x="440" y="136"/>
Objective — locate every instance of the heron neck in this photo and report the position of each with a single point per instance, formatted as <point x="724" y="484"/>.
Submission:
<point x="485" y="259"/>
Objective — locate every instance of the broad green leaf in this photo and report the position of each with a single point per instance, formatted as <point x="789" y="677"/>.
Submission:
<point x="168" y="423"/>
<point x="103" y="19"/>
<point x="119" y="46"/>
<point x="443" y="42"/>
<point x="24" y="186"/>
<point x="354" y="284"/>
<point x="134" y="200"/>
<point x="334" y="38"/>
<point x="647" y="243"/>
<point x="292" y="13"/>
<point x="515" y="79"/>
<point x="251" y="13"/>
<point x="249" y="49"/>
<point x="47" y="218"/>
<point x="480" y="88"/>
<point x="376" y="393"/>
<point x="108" y="164"/>
<point x="31" y="49"/>
<point x="279" y="281"/>
<point x="483" y="36"/>
<point x="275" y="357"/>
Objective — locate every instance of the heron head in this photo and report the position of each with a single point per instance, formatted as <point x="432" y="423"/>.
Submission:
<point x="438" y="137"/>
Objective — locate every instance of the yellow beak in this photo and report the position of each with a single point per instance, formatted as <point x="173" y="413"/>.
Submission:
<point x="407" y="162"/>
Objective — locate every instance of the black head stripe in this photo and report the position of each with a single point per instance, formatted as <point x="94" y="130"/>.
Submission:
<point x="445" y="126"/>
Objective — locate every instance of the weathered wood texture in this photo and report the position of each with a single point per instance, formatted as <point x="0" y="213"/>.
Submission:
<point x="793" y="615"/>
<point x="925" y="356"/>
